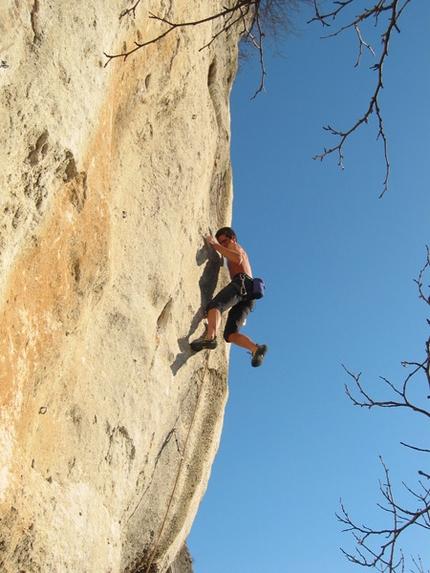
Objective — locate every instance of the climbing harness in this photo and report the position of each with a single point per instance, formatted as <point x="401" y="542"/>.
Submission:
<point x="181" y="461"/>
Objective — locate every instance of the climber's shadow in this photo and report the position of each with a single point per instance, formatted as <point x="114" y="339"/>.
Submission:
<point x="207" y="284"/>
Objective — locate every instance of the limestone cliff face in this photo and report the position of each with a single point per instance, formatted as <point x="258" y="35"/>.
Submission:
<point x="109" y="178"/>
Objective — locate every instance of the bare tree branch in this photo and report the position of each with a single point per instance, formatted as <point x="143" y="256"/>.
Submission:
<point x="364" y="400"/>
<point x="242" y="8"/>
<point x="419" y="566"/>
<point x="415" y="448"/>
<point x="379" y="548"/>
<point x="386" y="557"/>
<point x="261" y="18"/>
<point x="131" y="10"/>
<point x="394" y="10"/>
<point x="255" y="20"/>
<point x="419" y="281"/>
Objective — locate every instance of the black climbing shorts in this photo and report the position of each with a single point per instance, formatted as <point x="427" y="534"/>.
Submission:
<point x="240" y="305"/>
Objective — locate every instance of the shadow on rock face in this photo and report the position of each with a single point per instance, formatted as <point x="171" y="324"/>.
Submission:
<point x="207" y="284"/>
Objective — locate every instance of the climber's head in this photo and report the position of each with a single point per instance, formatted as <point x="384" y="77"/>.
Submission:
<point x="226" y="232"/>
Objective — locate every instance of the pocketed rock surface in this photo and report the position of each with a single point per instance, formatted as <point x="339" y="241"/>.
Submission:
<point x="110" y="177"/>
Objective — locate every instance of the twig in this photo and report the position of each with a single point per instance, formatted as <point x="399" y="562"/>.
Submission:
<point x="247" y="4"/>
<point x="387" y="557"/>
<point x="131" y="10"/>
<point x="395" y="11"/>
<point x="384" y="558"/>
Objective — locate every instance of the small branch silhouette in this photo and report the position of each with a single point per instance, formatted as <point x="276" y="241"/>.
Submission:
<point x="229" y="17"/>
<point x="386" y="558"/>
<point x="379" y="548"/>
<point x="254" y="19"/>
<point x="394" y="10"/>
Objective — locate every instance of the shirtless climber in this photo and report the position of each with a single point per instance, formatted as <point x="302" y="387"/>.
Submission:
<point x="238" y="296"/>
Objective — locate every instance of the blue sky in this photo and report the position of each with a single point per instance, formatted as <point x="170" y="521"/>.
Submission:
<point x="339" y="265"/>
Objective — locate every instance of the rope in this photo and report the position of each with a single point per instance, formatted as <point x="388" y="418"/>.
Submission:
<point x="181" y="461"/>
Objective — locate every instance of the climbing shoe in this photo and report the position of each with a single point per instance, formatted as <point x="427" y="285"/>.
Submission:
<point x="202" y="343"/>
<point x="258" y="355"/>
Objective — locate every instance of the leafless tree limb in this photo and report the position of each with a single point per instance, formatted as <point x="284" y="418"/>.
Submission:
<point x="419" y="566"/>
<point x="262" y="18"/>
<point x="242" y="12"/>
<point x="321" y="17"/>
<point x="394" y="10"/>
<point x="257" y="18"/>
<point x="131" y="10"/>
<point x="386" y="557"/>
<point x="364" y="400"/>
<point x="242" y="7"/>
<point x="419" y="281"/>
<point x="379" y="548"/>
<point x="417" y="449"/>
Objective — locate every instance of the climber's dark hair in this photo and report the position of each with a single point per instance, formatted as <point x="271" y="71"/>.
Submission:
<point x="227" y="231"/>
